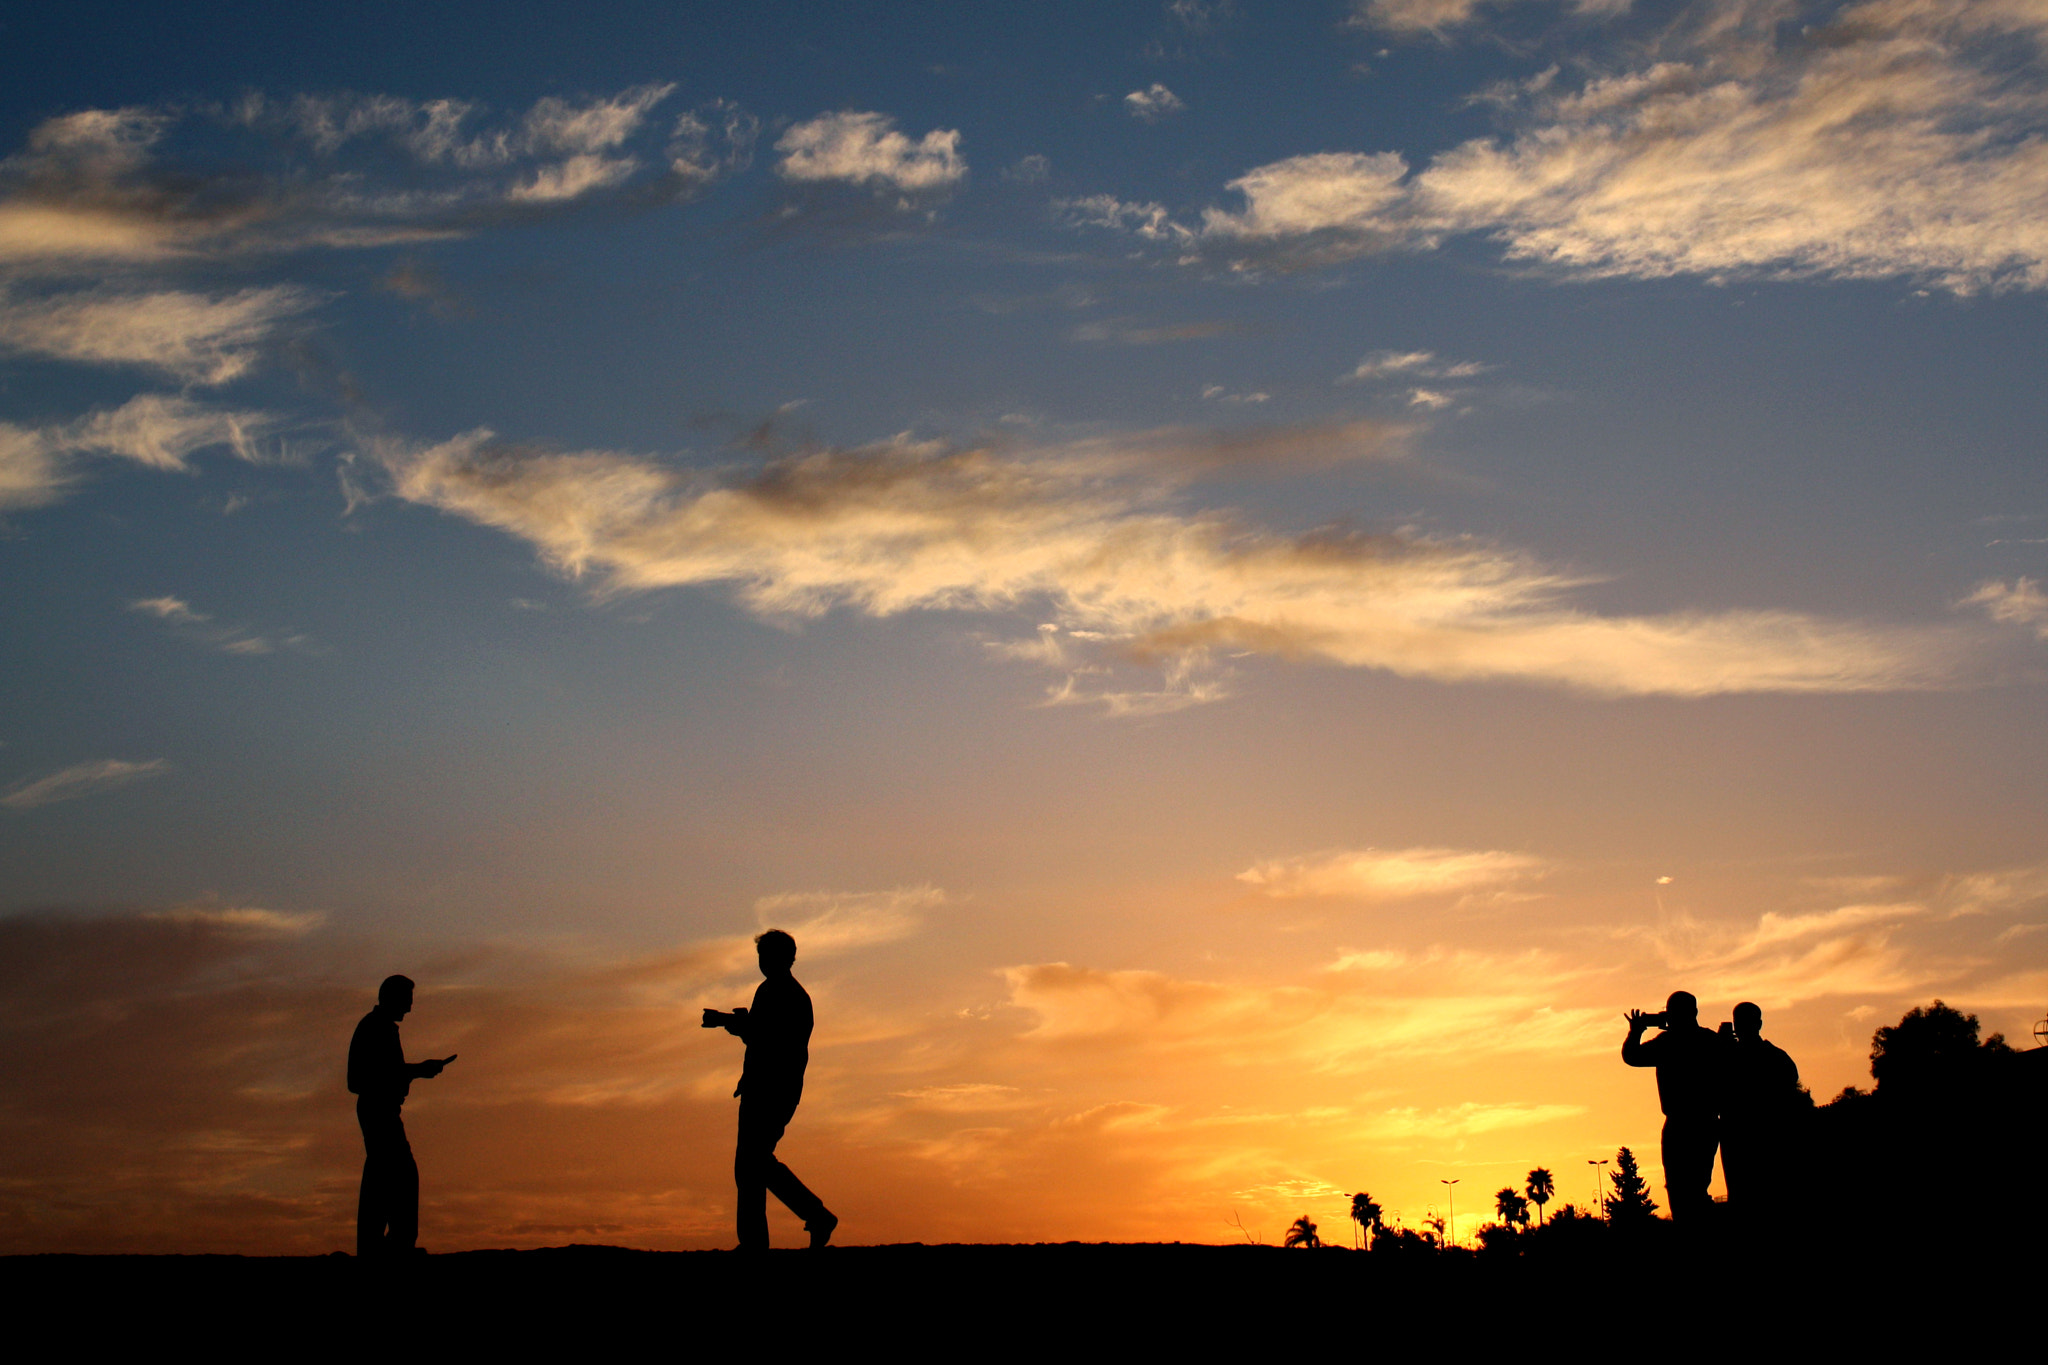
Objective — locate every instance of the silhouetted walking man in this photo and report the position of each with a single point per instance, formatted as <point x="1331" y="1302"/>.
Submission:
<point x="388" y="1211"/>
<point x="1757" y="1112"/>
<point x="777" y="1031"/>
<point x="1690" y="1074"/>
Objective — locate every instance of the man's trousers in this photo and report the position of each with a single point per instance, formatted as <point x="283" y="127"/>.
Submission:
<point x="388" y="1212"/>
<point x="1689" y="1147"/>
<point x="756" y="1172"/>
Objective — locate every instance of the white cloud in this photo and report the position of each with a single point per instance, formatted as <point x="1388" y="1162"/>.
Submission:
<point x="1441" y="1125"/>
<point x="121" y="186"/>
<point x="716" y="137"/>
<point x="1354" y="193"/>
<point x="574" y="178"/>
<point x="826" y="922"/>
<point x="1217" y="393"/>
<point x="179" y="616"/>
<point x="1411" y="365"/>
<point x="243" y="921"/>
<point x="2021" y="603"/>
<point x="556" y="125"/>
<point x="196" y="338"/>
<point x="1153" y="103"/>
<point x="969" y="1097"/>
<point x="32" y="470"/>
<point x="865" y="149"/>
<point x="163" y="431"/>
<point x="1410" y="17"/>
<point x="1029" y="170"/>
<point x="1071" y="533"/>
<point x="157" y="430"/>
<point x="1373" y="874"/>
<point x="1424" y="1005"/>
<point x="440" y="130"/>
<point x="84" y="779"/>
<point x="1891" y="141"/>
<point x="1151" y="221"/>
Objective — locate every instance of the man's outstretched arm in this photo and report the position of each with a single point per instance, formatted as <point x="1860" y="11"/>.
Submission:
<point x="1635" y="1051"/>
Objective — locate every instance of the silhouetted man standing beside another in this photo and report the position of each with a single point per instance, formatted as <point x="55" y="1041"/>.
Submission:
<point x="1690" y="1063"/>
<point x="388" y="1211"/>
<point x="1756" y="1113"/>
<point x="777" y="1031"/>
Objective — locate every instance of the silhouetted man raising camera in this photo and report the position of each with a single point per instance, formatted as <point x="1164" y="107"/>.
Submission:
<point x="777" y="1031"/>
<point x="1757" y="1113"/>
<point x="388" y="1211"/>
<point x="1690" y="1063"/>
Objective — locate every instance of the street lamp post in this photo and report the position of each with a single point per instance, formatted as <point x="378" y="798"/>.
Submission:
<point x="1454" y="1207"/>
<point x="1597" y="1173"/>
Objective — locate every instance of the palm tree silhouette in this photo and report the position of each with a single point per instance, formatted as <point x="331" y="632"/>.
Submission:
<point x="1365" y="1213"/>
<point x="1511" y="1207"/>
<point x="1541" y="1186"/>
<point x="1303" y="1234"/>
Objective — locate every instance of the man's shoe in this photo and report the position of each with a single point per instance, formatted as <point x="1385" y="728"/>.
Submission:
<point x="820" y="1229"/>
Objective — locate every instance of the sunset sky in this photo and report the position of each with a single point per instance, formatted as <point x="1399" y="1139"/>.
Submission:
<point x="1244" y="578"/>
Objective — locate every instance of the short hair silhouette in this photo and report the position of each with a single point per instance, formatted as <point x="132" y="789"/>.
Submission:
<point x="1683" y="1003"/>
<point x="392" y="987"/>
<point x="775" y="946"/>
<point x="1748" y="1017"/>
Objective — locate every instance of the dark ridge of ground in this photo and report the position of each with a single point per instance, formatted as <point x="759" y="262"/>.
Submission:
<point x="1654" y="1295"/>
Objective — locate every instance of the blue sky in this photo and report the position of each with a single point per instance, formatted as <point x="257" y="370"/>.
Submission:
<point x="1115" y="521"/>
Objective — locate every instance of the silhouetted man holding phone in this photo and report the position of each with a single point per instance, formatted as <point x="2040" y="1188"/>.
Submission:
<point x="388" y="1211"/>
<point x="777" y="1031"/>
<point x="1691" y="1072"/>
<point x="1757" y="1113"/>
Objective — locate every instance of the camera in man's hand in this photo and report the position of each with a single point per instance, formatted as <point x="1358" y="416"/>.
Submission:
<point x="1656" y="1020"/>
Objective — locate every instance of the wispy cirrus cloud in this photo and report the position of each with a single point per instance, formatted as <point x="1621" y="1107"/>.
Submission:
<point x="1893" y="139"/>
<point x="2019" y="603"/>
<point x="178" y="616"/>
<point x="1371" y="1009"/>
<point x="828" y="922"/>
<point x="1125" y="573"/>
<point x="140" y="186"/>
<point x="1407" y="365"/>
<point x="161" y="431"/>
<point x="1410" y="1124"/>
<point x="1375" y="875"/>
<point x="80" y="780"/>
<point x="1152" y="221"/>
<point x="196" y="338"/>
<point x="1410" y="17"/>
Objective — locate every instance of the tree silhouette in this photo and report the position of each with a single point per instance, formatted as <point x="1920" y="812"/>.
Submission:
<point x="1932" y="1044"/>
<point x="1630" y="1203"/>
<point x="1366" y="1214"/>
<point x="1511" y="1207"/>
<point x="1303" y="1234"/>
<point x="1542" y="1185"/>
